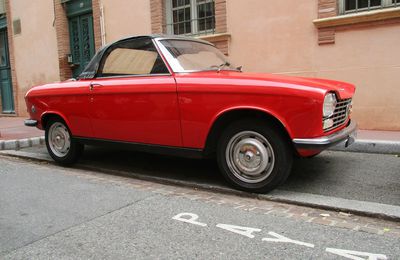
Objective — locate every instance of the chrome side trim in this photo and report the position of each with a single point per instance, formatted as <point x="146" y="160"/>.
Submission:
<point x="30" y="122"/>
<point x="326" y="141"/>
<point x="134" y="76"/>
<point x="194" y="71"/>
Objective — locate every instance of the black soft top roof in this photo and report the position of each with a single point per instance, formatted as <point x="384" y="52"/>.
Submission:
<point x="91" y="69"/>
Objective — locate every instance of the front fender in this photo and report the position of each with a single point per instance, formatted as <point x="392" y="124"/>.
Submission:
<point x="268" y="112"/>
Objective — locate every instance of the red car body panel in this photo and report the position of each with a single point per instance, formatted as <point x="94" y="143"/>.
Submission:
<point x="156" y="110"/>
<point x="179" y="110"/>
<point x="136" y="109"/>
<point x="295" y="102"/>
<point x="69" y="100"/>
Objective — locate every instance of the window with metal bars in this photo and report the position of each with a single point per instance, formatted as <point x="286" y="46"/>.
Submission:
<point x="355" y="6"/>
<point x="190" y="17"/>
<point x="2" y="7"/>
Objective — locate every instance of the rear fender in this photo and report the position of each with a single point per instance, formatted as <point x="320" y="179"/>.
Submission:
<point x="46" y="115"/>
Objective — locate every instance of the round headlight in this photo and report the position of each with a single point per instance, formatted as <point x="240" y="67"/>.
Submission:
<point x="329" y="104"/>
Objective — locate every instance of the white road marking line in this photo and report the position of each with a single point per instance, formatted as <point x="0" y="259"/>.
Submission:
<point x="244" y="231"/>
<point x="355" y="255"/>
<point x="191" y="220"/>
<point x="282" y="239"/>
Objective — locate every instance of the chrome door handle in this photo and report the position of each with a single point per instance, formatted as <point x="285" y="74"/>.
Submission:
<point x="92" y="85"/>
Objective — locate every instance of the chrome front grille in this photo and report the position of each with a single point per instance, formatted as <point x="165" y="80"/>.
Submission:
<point x="341" y="113"/>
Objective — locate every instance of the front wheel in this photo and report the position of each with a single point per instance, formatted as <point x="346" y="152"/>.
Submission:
<point x="254" y="156"/>
<point x="60" y="144"/>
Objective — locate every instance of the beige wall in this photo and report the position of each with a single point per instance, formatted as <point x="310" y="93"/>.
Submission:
<point x="280" y="39"/>
<point x="35" y="49"/>
<point x="266" y="36"/>
<point x="284" y="40"/>
<point x="126" y="18"/>
<point x="366" y="57"/>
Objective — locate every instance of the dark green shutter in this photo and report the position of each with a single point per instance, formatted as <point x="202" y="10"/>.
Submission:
<point x="6" y="91"/>
<point x="80" y="18"/>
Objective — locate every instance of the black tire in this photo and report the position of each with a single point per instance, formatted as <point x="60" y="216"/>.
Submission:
<point x="277" y="149"/>
<point x="63" y="153"/>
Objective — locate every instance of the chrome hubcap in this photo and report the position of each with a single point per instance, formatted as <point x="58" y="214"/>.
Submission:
<point x="59" y="139"/>
<point x="250" y="157"/>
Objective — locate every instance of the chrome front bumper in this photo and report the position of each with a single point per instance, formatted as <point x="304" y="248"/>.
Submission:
<point x="346" y="135"/>
<point x="30" y="122"/>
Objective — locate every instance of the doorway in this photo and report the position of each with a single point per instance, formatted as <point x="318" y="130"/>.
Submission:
<point x="80" y="19"/>
<point x="6" y="90"/>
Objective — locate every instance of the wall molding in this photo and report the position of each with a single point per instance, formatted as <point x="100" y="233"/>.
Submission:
<point x="329" y="21"/>
<point x="362" y="17"/>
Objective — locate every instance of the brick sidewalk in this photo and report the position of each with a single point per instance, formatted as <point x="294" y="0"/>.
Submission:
<point x="13" y="128"/>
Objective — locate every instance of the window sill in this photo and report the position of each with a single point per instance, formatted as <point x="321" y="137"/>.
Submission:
<point x="371" y="16"/>
<point x="215" y="37"/>
<point x="8" y="114"/>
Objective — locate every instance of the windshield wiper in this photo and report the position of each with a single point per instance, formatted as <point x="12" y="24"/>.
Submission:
<point x="225" y="64"/>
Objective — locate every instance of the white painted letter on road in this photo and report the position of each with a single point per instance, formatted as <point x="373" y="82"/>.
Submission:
<point x="281" y="239"/>
<point x="189" y="218"/>
<point x="245" y="231"/>
<point x="355" y="255"/>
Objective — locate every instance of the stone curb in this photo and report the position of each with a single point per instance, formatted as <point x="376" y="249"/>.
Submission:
<point x="370" y="146"/>
<point x="360" y="145"/>
<point x="21" y="143"/>
<point x="360" y="208"/>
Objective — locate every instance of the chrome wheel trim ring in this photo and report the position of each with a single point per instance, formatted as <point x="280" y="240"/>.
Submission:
<point x="59" y="139"/>
<point x="250" y="157"/>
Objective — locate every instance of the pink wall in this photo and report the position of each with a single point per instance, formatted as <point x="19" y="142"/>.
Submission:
<point x="35" y="52"/>
<point x="266" y="36"/>
<point x="126" y="18"/>
<point x="283" y="39"/>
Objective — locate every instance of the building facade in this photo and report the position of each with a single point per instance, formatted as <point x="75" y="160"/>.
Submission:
<point x="350" y="40"/>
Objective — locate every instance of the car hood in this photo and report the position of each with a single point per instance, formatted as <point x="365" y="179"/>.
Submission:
<point x="342" y="89"/>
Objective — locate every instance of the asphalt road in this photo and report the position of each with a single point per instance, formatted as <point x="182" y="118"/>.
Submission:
<point x="53" y="212"/>
<point x="353" y="176"/>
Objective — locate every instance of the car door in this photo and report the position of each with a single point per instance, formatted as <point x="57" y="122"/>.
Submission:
<point x="134" y="97"/>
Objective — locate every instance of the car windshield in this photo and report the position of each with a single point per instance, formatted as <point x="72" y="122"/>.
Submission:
<point x="189" y="56"/>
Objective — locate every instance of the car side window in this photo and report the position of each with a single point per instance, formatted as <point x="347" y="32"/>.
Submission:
<point x="132" y="57"/>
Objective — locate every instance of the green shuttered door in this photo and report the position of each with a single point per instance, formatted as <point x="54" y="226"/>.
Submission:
<point x="6" y="92"/>
<point x="81" y="33"/>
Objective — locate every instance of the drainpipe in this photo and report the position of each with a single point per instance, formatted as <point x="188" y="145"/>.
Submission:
<point x="102" y="26"/>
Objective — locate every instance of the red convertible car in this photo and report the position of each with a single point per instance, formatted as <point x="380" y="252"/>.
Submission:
<point x="181" y="96"/>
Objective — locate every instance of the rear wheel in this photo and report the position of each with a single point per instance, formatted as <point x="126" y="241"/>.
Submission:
<point x="254" y="156"/>
<point x="60" y="144"/>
